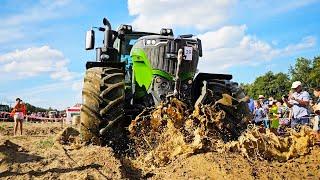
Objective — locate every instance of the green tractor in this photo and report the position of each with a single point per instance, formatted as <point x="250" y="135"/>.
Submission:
<point x="136" y="70"/>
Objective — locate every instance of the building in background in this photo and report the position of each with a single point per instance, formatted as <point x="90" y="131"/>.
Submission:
<point x="72" y="111"/>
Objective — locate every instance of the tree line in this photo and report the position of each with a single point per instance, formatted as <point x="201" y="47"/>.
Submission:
<point x="32" y="108"/>
<point x="278" y="84"/>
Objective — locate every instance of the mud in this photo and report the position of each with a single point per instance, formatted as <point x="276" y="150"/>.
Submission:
<point x="170" y="133"/>
<point x="44" y="157"/>
<point x="171" y="130"/>
<point x="32" y="129"/>
<point x="259" y="143"/>
<point x="170" y="142"/>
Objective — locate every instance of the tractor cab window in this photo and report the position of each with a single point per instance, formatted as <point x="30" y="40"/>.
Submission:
<point x="124" y="47"/>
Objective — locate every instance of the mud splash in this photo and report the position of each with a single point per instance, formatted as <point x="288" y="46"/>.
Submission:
<point x="264" y="144"/>
<point x="171" y="130"/>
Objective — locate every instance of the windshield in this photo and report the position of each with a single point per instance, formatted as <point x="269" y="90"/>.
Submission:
<point x="128" y="42"/>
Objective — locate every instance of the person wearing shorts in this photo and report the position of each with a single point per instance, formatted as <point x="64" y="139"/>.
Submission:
<point x="18" y="113"/>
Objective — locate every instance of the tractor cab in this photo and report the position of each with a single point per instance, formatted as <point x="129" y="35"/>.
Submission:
<point x="124" y="43"/>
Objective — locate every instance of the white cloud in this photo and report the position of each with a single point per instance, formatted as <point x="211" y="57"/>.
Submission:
<point x="231" y="46"/>
<point x="21" y="25"/>
<point x="42" y="11"/>
<point x="57" y="95"/>
<point x="201" y="14"/>
<point x="35" y="61"/>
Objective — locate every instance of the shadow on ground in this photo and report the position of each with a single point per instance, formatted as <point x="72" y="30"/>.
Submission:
<point x="14" y="153"/>
<point x="53" y="170"/>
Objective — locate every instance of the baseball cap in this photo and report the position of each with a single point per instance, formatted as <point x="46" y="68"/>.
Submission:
<point x="295" y="84"/>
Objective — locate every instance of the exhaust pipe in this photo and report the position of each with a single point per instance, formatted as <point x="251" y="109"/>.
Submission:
<point x="107" y="33"/>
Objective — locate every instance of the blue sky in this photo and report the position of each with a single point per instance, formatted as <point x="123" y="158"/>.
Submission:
<point x="42" y="56"/>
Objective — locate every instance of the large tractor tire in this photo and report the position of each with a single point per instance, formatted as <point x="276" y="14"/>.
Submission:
<point x="103" y="99"/>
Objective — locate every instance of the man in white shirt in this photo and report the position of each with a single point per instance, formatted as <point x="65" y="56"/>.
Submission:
<point x="299" y="102"/>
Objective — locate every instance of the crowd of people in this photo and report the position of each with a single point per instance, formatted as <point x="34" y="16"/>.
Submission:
<point x="293" y="110"/>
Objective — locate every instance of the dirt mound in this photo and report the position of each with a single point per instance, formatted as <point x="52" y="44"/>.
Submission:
<point x="170" y="130"/>
<point x="41" y="157"/>
<point x="68" y="136"/>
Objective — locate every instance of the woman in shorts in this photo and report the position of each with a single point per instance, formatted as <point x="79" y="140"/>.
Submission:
<point x="18" y="113"/>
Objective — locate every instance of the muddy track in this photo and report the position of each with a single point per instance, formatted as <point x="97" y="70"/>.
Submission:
<point x="40" y="156"/>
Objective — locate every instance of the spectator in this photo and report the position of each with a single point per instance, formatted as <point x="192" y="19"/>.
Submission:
<point x="261" y="99"/>
<point x="316" y="109"/>
<point x="273" y="114"/>
<point x="265" y="107"/>
<point x="251" y="104"/>
<point x="299" y="102"/>
<point x="18" y="113"/>
<point x="258" y="113"/>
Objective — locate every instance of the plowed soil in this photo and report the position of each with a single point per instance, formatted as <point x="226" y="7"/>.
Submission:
<point x="41" y="153"/>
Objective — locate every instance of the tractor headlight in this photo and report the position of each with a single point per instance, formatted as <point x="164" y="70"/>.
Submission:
<point x="151" y="42"/>
<point x="158" y="80"/>
<point x="166" y="32"/>
<point x="125" y="28"/>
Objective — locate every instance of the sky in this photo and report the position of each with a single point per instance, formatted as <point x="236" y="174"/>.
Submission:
<point x="42" y="55"/>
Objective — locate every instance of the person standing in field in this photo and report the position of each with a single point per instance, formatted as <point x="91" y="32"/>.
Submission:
<point x="18" y="112"/>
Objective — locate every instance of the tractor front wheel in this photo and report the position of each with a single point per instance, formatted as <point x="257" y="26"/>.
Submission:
<point x="103" y="99"/>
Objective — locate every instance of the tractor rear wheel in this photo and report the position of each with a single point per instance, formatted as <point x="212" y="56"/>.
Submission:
<point x="103" y="99"/>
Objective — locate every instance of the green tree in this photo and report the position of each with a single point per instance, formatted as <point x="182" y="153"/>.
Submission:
<point x="315" y="72"/>
<point x="269" y="85"/>
<point x="31" y="108"/>
<point x="301" y="71"/>
<point x="276" y="85"/>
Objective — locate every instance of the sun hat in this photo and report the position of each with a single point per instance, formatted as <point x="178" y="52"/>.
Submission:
<point x="261" y="97"/>
<point x="295" y="84"/>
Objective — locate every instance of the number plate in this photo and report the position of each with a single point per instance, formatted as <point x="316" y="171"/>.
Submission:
<point x="188" y="53"/>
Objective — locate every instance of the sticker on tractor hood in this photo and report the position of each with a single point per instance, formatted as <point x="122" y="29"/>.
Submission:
<point x="188" y="53"/>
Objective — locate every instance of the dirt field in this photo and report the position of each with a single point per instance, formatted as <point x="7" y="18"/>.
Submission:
<point x="38" y="155"/>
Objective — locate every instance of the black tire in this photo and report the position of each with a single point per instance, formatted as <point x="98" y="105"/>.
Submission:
<point x="103" y="100"/>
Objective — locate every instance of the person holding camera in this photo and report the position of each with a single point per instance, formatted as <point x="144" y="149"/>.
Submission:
<point x="298" y="102"/>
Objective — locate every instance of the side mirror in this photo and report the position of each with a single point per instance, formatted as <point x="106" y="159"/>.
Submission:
<point x="90" y="38"/>
<point x="199" y="47"/>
